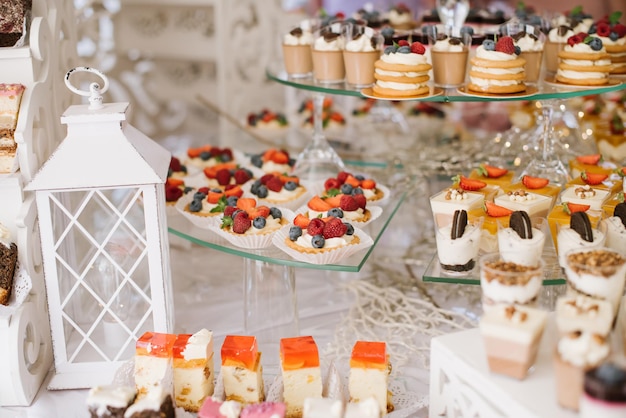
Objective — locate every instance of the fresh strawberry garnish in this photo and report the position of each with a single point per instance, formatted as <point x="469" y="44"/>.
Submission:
<point x="496" y="211"/>
<point x="195" y="152"/>
<point x="334" y="228"/>
<point x="265" y="178"/>
<point x="233" y="190"/>
<point x="418" y="48"/>
<point x="622" y="172"/>
<point x="403" y="42"/>
<point x="262" y="211"/>
<point x="575" y="39"/>
<point x="331" y="183"/>
<point x="505" y="44"/>
<point x="361" y="200"/>
<point x="214" y="196"/>
<point x="590" y="159"/>
<point x="469" y="184"/>
<point x="570" y="207"/>
<point x="352" y="181"/>
<point x="337" y="117"/>
<point x="174" y="182"/>
<point x="318" y="204"/>
<point x="333" y="201"/>
<point x="593" y="179"/>
<point x="342" y="176"/>
<point x="204" y="190"/>
<point x="242" y="176"/>
<point x="246" y="203"/>
<point x="301" y="221"/>
<point x="274" y="184"/>
<point x="315" y="227"/>
<point x="241" y="222"/>
<point x="280" y="157"/>
<point x="491" y="171"/>
<point x="229" y="210"/>
<point x="348" y="203"/>
<point x="534" y="182"/>
<point x="173" y="193"/>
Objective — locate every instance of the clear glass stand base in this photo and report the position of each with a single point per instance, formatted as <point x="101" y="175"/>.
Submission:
<point x="318" y="161"/>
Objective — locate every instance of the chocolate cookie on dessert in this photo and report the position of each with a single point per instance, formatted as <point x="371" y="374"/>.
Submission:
<point x="497" y="68"/>
<point x="402" y="71"/>
<point x="584" y="62"/>
<point x="8" y="264"/>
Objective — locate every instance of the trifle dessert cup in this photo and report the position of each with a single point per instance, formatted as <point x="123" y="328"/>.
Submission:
<point x="327" y="53"/>
<point x="578" y="235"/>
<point x="522" y="241"/>
<point x="557" y="40"/>
<point x="449" y="51"/>
<point x="296" y="47"/>
<point x="458" y="244"/>
<point x="363" y="48"/>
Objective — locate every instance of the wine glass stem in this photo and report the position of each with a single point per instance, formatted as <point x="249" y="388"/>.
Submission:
<point x="318" y="110"/>
<point x="547" y="110"/>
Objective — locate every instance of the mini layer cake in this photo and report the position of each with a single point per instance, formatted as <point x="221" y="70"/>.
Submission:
<point x="8" y="264"/>
<point x="584" y="62"/>
<point x="532" y="203"/>
<point x="193" y="369"/>
<point x="611" y="183"/>
<point x="613" y="37"/>
<point x="511" y="335"/>
<point x="208" y="156"/>
<point x="323" y="408"/>
<point x="320" y="235"/>
<point x="109" y="401"/>
<point x="157" y="403"/>
<point x="576" y="353"/>
<point x="221" y="175"/>
<point x="273" y="160"/>
<point x="353" y="207"/>
<point x="212" y="408"/>
<point x="616" y="228"/>
<point x="580" y="234"/>
<point x="369" y="374"/>
<point x="278" y="189"/>
<point x="10" y="99"/>
<point x="583" y="313"/>
<point x="264" y="410"/>
<point x="248" y="218"/>
<point x="496" y="68"/>
<point x="242" y="372"/>
<point x="492" y="175"/>
<point x="492" y="214"/>
<point x="402" y="71"/>
<point x="591" y="163"/>
<point x="367" y="408"/>
<point x="585" y="195"/>
<point x="346" y="183"/>
<point x="302" y="377"/>
<point x="153" y="362"/>
<point x="212" y="202"/>
<point x="446" y="202"/>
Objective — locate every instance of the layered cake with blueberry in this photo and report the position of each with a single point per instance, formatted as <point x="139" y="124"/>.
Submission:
<point x="320" y="234"/>
<point x="208" y="156"/>
<point x="612" y="33"/>
<point x="193" y="369"/>
<point x="110" y="401"/>
<point x="153" y="363"/>
<point x="241" y="371"/>
<point x="497" y="68"/>
<point x="511" y="335"/>
<point x="8" y="264"/>
<point x="278" y="189"/>
<point x="301" y="373"/>
<point x="521" y="242"/>
<point x="369" y="374"/>
<point x="402" y="71"/>
<point x="490" y="174"/>
<point x="273" y="160"/>
<point x="584" y="62"/>
<point x="248" y="218"/>
<point x="348" y="183"/>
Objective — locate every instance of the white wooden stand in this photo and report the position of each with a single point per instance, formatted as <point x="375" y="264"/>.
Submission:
<point x="49" y="50"/>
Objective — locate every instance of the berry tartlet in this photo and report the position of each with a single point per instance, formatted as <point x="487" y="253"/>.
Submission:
<point x="278" y="189"/>
<point x="350" y="207"/>
<point x="176" y="169"/>
<point x="321" y="240"/>
<point x="175" y="189"/>
<point x="204" y="207"/>
<point x="273" y="160"/>
<point x="224" y="174"/>
<point x="348" y="183"/>
<point x="209" y="155"/>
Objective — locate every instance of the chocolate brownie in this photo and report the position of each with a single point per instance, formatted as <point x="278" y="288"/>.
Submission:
<point x="13" y="15"/>
<point x="8" y="261"/>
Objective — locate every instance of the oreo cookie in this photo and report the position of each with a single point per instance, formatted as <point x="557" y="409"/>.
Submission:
<point x="620" y="212"/>
<point x="459" y="222"/>
<point x="520" y="223"/>
<point x="580" y="223"/>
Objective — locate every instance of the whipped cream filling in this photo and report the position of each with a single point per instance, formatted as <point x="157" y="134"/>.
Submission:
<point x="608" y="41"/>
<point x="581" y="75"/>
<point x="362" y="44"/>
<point x="482" y="82"/>
<point x="586" y="63"/>
<point x="283" y="195"/>
<point x="334" y="45"/>
<point x="583" y="351"/>
<point x="396" y="18"/>
<point x="400" y="73"/>
<point x="271" y="167"/>
<point x="405" y="59"/>
<point x="511" y="294"/>
<point x="198" y="345"/>
<point x="498" y="71"/>
<point x="270" y="225"/>
<point x="527" y="44"/>
<point x="482" y="53"/>
<point x="458" y="251"/>
<point x="568" y="239"/>
<point x="446" y="46"/>
<point x="583" y="48"/>
<point x="305" y="39"/>
<point x="304" y="240"/>
<point x="400" y="86"/>
<point x="230" y="409"/>
<point x="553" y="35"/>
<point x="523" y="251"/>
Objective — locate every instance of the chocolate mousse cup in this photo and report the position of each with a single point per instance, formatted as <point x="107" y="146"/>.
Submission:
<point x="449" y="67"/>
<point x="551" y="55"/>
<point x="360" y="67"/>
<point x="328" y="66"/>
<point x="533" y="65"/>
<point x="298" y="60"/>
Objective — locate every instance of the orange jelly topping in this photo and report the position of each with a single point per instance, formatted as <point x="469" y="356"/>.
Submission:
<point x="155" y="344"/>
<point x="240" y="350"/>
<point x="299" y="353"/>
<point x="180" y="344"/>
<point x="369" y="354"/>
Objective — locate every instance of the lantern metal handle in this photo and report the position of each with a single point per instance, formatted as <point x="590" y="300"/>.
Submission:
<point x="95" y="92"/>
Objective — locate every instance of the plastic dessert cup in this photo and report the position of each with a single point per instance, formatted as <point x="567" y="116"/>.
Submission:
<point x="458" y="256"/>
<point x="523" y="251"/>
<point x="328" y="66"/>
<point x="359" y="67"/>
<point x="449" y="51"/>
<point x="298" y="60"/>
<point x="533" y="65"/>
<point x="568" y="239"/>
<point x="604" y="392"/>
<point x="551" y="55"/>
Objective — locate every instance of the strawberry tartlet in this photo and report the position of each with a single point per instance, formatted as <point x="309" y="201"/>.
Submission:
<point x="273" y="160"/>
<point x="204" y="207"/>
<point x="224" y="174"/>
<point x="346" y="183"/>
<point x="350" y="207"/>
<point x="279" y="189"/>
<point x="208" y="156"/>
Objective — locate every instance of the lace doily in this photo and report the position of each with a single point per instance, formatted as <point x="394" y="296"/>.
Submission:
<point x="22" y="284"/>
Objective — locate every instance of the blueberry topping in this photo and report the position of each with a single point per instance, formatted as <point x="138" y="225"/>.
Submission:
<point x="390" y="50"/>
<point x="225" y="157"/>
<point x="195" y="205"/>
<point x="231" y="201"/>
<point x="187" y="189"/>
<point x="346" y="188"/>
<point x="291" y="185"/>
<point x="350" y="230"/>
<point x="387" y="32"/>
<point x="275" y="212"/>
<point x="357" y="190"/>
<point x="262" y="191"/>
<point x="199" y="195"/>
<point x="489" y="45"/>
<point x="295" y="232"/>
<point x="254" y="189"/>
<point x="205" y="155"/>
<point x="336" y="212"/>
<point x="318" y="241"/>
<point x="291" y="162"/>
<point x="256" y="160"/>
<point x="595" y="44"/>
<point x="359" y="177"/>
<point x="216" y="190"/>
<point x="518" y="50"/>
<point x="259" y="222"/>
<point x="592" y="29"/>
<point x="613" y="36"/>
<point x="404" y="50"/>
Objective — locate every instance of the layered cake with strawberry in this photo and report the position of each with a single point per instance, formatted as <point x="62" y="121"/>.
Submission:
<point x="492" y="175"/>
<point x="301" y="373"/>
<point x="223" y="174"/>
<point x="458" y="244"/>
<point x="579" y="234"/>
<point x="616" y="228"/>
<point x="242" y="372"/>
<point x="612" y="33"/>
<point x="496" y="68"/>
<point x="273" y="160"/>
<point x="369" y="374"/>
<point x="511" y="336"/>
<point x="194" y="377"/>
<point x="465" y="196"/>
<point x="402" y="71"/>
<point x="584" y="62"/>
<point x="318" y="235"/>
<point x="279" y="189"/>
<point x="153" y="362"/>
<point x="521" y="242"/>
<point x="350" y="207"/>
<point x="208" y="156"/>
<point x="248" y="218"/>
<point x="348" y="183"/>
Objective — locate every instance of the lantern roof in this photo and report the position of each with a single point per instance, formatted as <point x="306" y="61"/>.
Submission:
<point x="102" y="149"/>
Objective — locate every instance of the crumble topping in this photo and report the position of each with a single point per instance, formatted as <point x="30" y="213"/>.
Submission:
<point x="596" y="262"/>
<point x="584" y="192"/>
<point x="456" y="194"/>
<point x="520" y="196"/>
<point x="501" y="271"/>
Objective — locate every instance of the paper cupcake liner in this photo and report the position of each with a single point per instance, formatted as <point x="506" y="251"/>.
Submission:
<point x="250" y="242"/>
<point x="204" y="222"/>
<point x="333" y="256"/>
<point x="291" y="204"/>
<point x="383" y="200"/>
<point x="375" y="212"/>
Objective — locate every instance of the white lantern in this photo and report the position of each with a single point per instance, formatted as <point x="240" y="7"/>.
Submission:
<point x="101" y="203"/>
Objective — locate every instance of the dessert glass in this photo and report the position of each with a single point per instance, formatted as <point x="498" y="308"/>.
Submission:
<point x="555" y="43"/>
<point x="509" y="283"/>
<point x="296" y="46"/>
<point x="523" y="251"/>
<point x="457" y="257"/>
<point x="362" y="48"/>
<point x="568" y="240"/>
<point x="531" y="41"/>
<point x="327" y="53"/>
<point x="449" y="51"/>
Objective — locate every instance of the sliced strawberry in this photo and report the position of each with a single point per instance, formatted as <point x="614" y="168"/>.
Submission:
<point x="590" y="159"/>
<point x="195" y="152"/>
<point x="331" y="183"/>
<point x="246" y="203"/>
<point x="174" y="182"/>
<point x="301" y="221"/>
<point x="593" y="179"/>
<point x="491" y="171"/>
<point x="210" y="172"/>
<point x="262" y="211"/>
<point x="496" y="211"/>
<point x="333" y="201"/>
<point x="280" y="157"/>
<point x="352" y="181"/>
<point x="622" y="172"/>
<point x="534" y="182"/>
<point x="368" y="184"/>
<point x="268" y="155"/>
<point x="214" y="196"/>
<point x="570" y="207"/>
<point x="318" y="204"/>
<point x="236" y="190"/>
<point x="469" y="184"/>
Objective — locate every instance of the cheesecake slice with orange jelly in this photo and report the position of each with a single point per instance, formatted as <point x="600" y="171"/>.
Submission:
<point x="538" y="185"/>
<point x="193" y="369"/>
<point x="153" y="362"/>
<point x="242" y="373"/>
<point x="302" y="377"/>
<point x="369" y="374"/>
